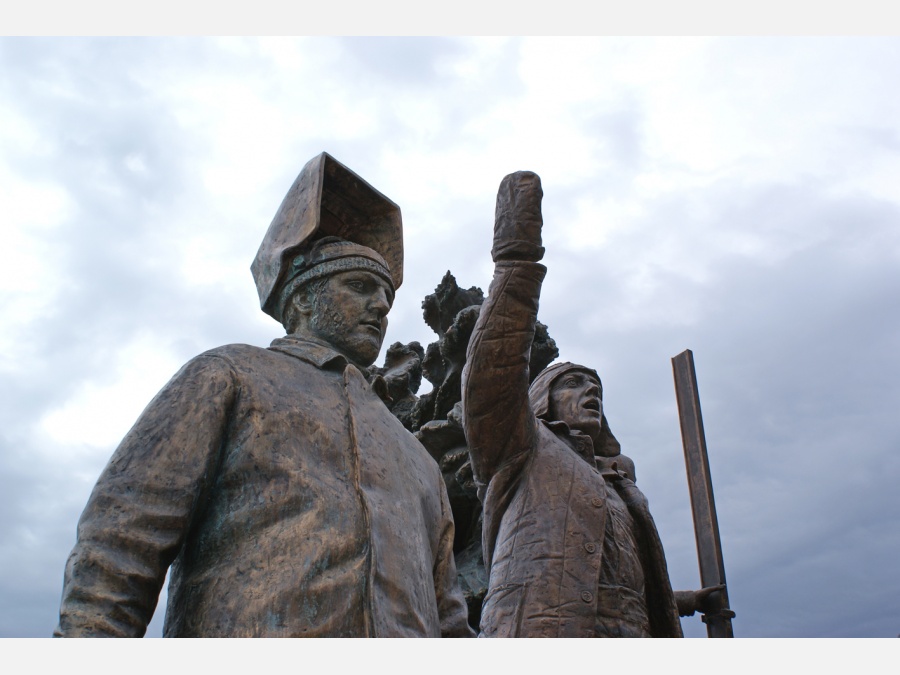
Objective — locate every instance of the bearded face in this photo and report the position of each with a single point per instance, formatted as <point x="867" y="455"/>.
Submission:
<point x="348" y="312"/>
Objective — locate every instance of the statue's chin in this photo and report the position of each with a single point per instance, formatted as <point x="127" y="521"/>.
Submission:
<point x="361" y="349"/>
<point x="362" y="353"/>
<point x="589" y="428"/>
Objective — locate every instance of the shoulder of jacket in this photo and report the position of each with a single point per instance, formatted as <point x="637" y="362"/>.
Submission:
<point x="233" y="357"/>
<point x="235" y="352"/>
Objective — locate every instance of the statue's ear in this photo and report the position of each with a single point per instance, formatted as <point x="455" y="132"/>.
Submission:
<point x="303" y="302"/>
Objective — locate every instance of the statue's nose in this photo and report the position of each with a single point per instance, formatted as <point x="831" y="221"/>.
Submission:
<point x="380" y="302"/>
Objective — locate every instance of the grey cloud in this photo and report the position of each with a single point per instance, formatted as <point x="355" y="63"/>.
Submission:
<point x="397" y="72"/>
<point x="620" y="132"/>
<point x="400" y="60"/>
<point x="93" y="113"/>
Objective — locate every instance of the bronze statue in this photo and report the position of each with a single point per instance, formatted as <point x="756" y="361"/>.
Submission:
<point x="285" y="496"/>
<point x="568" y="538"/>
<point x="436" y="417"/>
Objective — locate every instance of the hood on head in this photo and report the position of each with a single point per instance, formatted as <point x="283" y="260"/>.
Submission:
<point x="539" y="397"/>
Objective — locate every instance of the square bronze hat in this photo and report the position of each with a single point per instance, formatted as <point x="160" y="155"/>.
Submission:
<point x="326" y="199"/>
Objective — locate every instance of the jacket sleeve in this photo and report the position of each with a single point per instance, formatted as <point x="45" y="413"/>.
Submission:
<point x="452" y="609"/>
<point x="499" y="424"/>
<point x="141" y="508"/>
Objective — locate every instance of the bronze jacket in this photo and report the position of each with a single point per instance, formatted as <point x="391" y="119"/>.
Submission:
<point x="288" y="500"/>
<point x="545" y="501"/>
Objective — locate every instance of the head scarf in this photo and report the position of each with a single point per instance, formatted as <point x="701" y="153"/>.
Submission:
<point x="606" y="444"/>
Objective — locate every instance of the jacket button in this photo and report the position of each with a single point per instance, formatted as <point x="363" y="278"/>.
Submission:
<point x="587" y="596"/>
<point x="596" y="501"/>
<point x="590" y="547"/>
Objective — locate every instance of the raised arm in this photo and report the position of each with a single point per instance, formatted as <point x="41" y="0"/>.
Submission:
<point x="499" y="424"/>
<point x="136" y="518"/>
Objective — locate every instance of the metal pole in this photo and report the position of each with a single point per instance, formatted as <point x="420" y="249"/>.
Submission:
<point x="703" y="505"/>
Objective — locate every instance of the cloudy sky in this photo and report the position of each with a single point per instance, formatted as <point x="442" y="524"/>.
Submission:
<point x="737" y="197"/>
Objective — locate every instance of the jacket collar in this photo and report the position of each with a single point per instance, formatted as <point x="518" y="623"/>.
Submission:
<point x="312" y="352"/>
<point x="580" y="443"/>
<point x="326" y="358"/>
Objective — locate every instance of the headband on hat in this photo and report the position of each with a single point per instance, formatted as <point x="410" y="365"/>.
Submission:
<point x="329" y="256"/>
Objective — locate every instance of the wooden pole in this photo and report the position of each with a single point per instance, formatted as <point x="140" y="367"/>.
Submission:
<point x="703" y="505"/>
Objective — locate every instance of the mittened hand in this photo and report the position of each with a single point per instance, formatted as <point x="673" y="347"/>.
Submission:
<point x="517" y="219"/>
<point x="689" y="602"/>
<point x="706" y="603"/>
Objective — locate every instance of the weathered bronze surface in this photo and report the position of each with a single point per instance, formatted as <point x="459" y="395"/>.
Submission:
<point x="568" y="537"/>
<point x="706" y="525"/>
<point x="284" y="495"/>
<point x="436" y="417"/>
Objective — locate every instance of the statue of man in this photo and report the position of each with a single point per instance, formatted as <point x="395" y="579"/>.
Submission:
<point x="284" y="495"/>
<point x="569" y="541"/>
